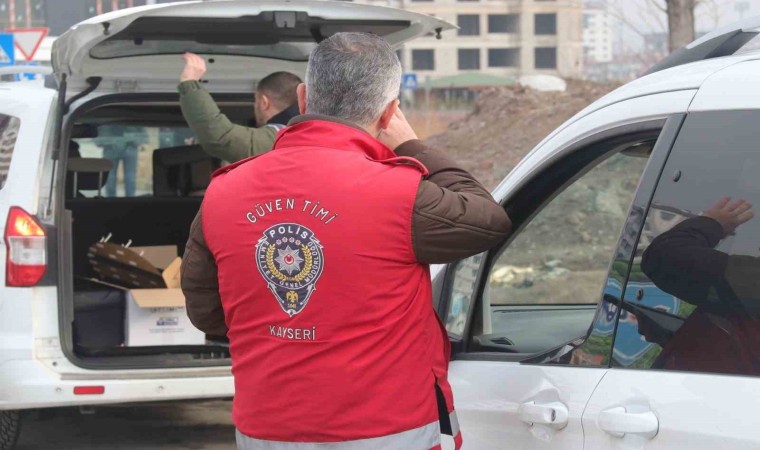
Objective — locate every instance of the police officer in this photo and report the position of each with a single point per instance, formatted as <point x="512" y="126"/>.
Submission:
<point x="313" y="260"/>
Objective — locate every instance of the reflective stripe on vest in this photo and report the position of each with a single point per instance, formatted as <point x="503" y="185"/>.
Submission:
<point x="276" y="126"/>
<point x="454" y="423"/>
<point x="422" y="438"/>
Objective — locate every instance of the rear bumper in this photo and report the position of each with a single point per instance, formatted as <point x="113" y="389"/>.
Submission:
<point x="26" y="384"/>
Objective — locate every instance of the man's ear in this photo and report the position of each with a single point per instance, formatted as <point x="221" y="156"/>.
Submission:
<point x="266" y="102"/>
<point x="301" y="93"/>
<point x="388" y="113"/>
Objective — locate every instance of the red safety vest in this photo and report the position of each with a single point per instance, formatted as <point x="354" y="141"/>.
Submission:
<point x="332" y="331"/>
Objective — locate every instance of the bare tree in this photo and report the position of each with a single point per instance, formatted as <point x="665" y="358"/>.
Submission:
<point x="680" y="22"/>
<point x="679" y="14"/>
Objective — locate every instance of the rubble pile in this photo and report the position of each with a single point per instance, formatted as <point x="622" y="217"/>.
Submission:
<point x="508" y="122"/>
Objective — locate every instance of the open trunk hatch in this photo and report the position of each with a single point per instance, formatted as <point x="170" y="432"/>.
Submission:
<point x="132" y="44"/>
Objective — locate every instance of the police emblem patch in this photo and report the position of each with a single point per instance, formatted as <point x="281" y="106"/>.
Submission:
<point x="290" y="259"/>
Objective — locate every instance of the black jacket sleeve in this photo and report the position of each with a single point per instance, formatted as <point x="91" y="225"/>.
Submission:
<point x="684" y="262"/>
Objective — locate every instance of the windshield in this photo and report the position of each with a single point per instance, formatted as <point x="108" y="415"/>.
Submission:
<point x="135" y="154"/>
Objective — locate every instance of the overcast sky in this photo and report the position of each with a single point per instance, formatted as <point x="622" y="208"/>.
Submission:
<point x="709" y="13"/>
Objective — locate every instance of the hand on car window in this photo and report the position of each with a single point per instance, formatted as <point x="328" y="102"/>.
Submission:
<point x="730" y="214"/>
<point x="195" y="67"/>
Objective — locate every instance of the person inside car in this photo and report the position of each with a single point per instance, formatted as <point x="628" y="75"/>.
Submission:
<point x="723" y="333"/>
<point x="274" y="105"/>
<point x="314" y="260"/>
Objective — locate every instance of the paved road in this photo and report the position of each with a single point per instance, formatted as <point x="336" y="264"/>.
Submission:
<point x="176" y="426"/>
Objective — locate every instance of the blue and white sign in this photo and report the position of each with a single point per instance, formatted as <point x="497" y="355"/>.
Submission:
<point x="31" y="76"/>
<point x="7" y="50"/>
<point x="630" y="345"/>
<point x="409" y="81"/>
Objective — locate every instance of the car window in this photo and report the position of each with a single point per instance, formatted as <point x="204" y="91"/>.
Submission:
<point x="9" y="127"/>
<point x="130" y="150"/>
<point x="692" y="302"/>
<point x="462" y="295"/>
<point x="541" y="291"/>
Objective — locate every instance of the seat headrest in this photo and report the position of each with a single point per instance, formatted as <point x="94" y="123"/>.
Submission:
<point x="91" y="174"/>
<point x="181" y="171"/>
<point x="89" y="165"/>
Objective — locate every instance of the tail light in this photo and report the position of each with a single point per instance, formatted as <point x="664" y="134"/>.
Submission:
<point x="26" y="249"/>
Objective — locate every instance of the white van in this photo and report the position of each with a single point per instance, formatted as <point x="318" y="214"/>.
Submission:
<point x="62" y="337"/>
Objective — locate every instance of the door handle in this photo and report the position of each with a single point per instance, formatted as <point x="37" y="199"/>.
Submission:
<point x="554" y="414"/>
<point x="619" y="422"/>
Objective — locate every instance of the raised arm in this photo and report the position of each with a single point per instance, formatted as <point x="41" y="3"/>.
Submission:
<point x="216" y="133"/>
<point x="454" y="215"/>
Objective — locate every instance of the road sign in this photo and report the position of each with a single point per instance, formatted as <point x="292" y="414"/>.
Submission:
<point x="30" y="76"/>
<point x="409" y="81"/>
<point x="7" y="55"/>
<point x="28" y="40"/>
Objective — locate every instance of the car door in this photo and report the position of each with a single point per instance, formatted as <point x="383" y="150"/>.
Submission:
<point x="531" y="322"/>
<point x="686" y="357"/>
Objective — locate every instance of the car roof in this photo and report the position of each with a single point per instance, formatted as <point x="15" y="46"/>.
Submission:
<point x="675" y="89"/>
<point x="684" y="77"/>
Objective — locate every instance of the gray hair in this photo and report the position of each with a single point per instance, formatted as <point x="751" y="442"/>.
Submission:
<point x="352" y="76"/>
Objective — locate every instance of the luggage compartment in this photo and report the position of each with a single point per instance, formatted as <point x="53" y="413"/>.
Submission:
<point x="169" y="175"/>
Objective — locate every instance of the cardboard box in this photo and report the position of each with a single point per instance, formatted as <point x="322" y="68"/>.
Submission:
<point x="154" y="316"/>
<point x="158" y="316"/>
<point x="160" y="256"/>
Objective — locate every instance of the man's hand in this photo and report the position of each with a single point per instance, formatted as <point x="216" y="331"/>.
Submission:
<point x="398" y="131"/>
<point x="195" y="67"/>
<point x="730" y="214"/>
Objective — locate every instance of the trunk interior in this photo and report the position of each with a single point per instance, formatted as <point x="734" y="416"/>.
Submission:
<point x="135" y="179"/>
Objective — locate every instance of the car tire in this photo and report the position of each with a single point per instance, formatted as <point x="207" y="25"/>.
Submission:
<point x="10" y="428"/>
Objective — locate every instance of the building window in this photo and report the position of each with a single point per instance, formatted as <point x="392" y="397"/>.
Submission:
<point x="423" y="60"/>
<point x="469" y="58"/>
<point x="546" y="24"/>
<point x="503" y="57"/>
<point x="587" y="21"/>
<point x="469" y="24"/>
<point x="38" y="13"/>
<point x="546" y="57"/>
<point x="503" y="23"/>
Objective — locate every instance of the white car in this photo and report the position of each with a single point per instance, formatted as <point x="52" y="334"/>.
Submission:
<point x="61" y="335"/>
<point x="597" y="324"/>
<point x="561" y="340"/>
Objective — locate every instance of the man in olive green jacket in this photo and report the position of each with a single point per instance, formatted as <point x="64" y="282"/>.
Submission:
<point x="274" y="105"/>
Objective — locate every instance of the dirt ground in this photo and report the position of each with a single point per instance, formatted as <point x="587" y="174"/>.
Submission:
<point x="583" y="221"/>
<point x="507" y="122"/>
